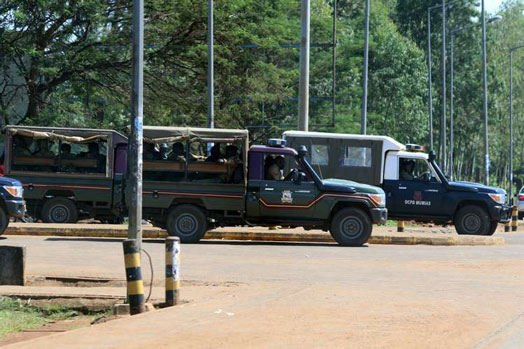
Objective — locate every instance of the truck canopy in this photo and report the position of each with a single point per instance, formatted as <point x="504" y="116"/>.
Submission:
<point x="161" y="134"/>
<point x="347" y="156"/>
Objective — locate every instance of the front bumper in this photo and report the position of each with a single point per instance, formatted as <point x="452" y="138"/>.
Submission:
<point x="500" y="213"/>
<point x="15" y="208"/>
<point x="379" y="215"/>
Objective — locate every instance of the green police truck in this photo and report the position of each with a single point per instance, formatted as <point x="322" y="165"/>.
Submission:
<point x="67" y="173"/>
<point x="196" y="179"/>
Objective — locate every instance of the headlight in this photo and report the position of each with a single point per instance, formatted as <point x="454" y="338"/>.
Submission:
<point x="16" y="191"/>
<point x="379" y="199"/>
<point x="498" y="198"/>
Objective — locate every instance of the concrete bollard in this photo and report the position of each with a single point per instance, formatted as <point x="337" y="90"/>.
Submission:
<point x="514" y="218"/>
<point x="135" y="285"/>
<point x="400" y="226"/>
<point x="12" y="265"/>
<point x="172" y="270"/>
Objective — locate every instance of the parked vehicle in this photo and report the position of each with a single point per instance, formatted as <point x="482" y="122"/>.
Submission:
<point x="67" y="173"/>
<point x="520" y="203"/>
<point x="416" y="188"/>
<point x="11" y="201"/>
<point x="209" y="178"/>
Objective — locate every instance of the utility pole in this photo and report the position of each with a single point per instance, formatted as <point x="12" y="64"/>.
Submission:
<point x="442" y="133"/>
<point x="303" y="107"/>
<point x="135" y="141"/>
<point x="210" y="68"/>
<point x="485" y="99"/>
<point x="430" y="95"/>
<point x="334" y="70"/>
<point x="511" y="194"/>
<point x="363" y="118"/>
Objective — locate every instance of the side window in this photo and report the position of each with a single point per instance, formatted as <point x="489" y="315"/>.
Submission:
<point x="355" y="157"/>
<point x="319" y="154"/>
<point x="414" y="169"/>
<point x="279" y="167"/>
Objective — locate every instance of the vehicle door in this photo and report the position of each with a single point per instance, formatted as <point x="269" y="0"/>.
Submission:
<point x="418" y="191"/>
<point x="291" y="197"/>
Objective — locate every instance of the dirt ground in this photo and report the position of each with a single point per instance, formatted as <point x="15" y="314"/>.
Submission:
<point x="259" y="295"/>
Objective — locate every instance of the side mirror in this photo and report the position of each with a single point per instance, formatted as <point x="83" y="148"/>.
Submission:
<point x="302" y="151"/>
<point x="432" y="155"/>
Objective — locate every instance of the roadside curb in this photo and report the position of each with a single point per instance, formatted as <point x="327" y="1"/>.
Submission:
<point x="249" y="234"/>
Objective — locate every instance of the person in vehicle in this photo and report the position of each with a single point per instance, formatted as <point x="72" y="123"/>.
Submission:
<point x="43" y="149"/>
<point x="94" y="153"/>
<point x="215" y="154"/>
<point x="234" y="174"/>
<point x="20" y="146"/>
<point x="164" y="151"/>
<point x="149" y="151"/>
<point x="276" y="169"/>
<point x="406" y="171"/>
<point x="65" y="151"/>
<point x="177" y="152"/>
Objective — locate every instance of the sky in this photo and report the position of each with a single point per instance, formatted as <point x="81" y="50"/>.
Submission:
<point x="492" y="5"/>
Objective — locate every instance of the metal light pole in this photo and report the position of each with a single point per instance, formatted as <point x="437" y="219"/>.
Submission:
<point x="430" y="94"/>
<point x="135" y="141"/>
<point x="303" y="107"/>
<point x="442" y="133"/>
<point x="485" y="99"/>
<point x="452" y="87"/>
<point x="511" y="50"/>
<point x="334" y="70"/>
<point x="363" y="118"/>
<point x="210" y="68"/>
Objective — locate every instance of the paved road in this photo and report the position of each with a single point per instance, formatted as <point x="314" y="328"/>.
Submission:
<point x="315" y="295"/>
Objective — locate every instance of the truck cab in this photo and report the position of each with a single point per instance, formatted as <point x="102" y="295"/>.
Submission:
<point x="211" y="178"/>
<point x="415" y="186"/>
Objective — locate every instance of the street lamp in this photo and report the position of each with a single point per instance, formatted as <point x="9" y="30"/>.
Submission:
<point x="452" y="48"/>
<point x="511" y="50"/>
<point x="430" y="94"/>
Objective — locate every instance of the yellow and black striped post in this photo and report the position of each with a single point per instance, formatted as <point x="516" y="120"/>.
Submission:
<point x="514" y="218"/>
<point x="172" y="270"/>
<point x="400" y="226"/>
<point x="135" y="285"/>
<point x="507" y="226"/>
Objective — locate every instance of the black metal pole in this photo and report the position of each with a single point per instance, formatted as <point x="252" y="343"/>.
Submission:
<point x="135" y="141"/>
<point x="485" y="97"/>
<point x="210" y="68"/>
<point x="511" y="194"/>
<point x="452" y="88"/>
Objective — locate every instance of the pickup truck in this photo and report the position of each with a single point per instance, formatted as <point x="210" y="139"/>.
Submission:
<point x="416" y="188"/>
<point x="11" y="202"/>
<point x="68" y="173"/>
<point x="211" y="178"/>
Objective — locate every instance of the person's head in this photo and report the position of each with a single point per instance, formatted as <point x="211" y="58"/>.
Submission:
<point x="164" y="148"/>
<point x="65" y="148"/>
<point x="178" y="148"/>
<point x="20" y="141"/>
<point x="231" y="151"/>
<point x="93" y="148"/>
<point x="280" y="162"/>
<point x="215" y="151"/>
<point x="270" y="160"/>
<point x="149" y="147"/>
<point x="409" y="165"/>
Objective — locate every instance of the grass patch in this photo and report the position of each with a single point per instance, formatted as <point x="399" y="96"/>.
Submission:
<point x="17" y="315"/>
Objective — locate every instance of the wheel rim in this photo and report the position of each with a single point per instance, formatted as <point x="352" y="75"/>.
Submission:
<point x="186" y="224"/>
<point x="59" y="214"/>
<point x="351" y="227"/>
<point x="472" y="223"/>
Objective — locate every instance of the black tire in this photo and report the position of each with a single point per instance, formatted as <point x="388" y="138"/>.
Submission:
<point x="188" y="222"/>
<point x="60" y="210"/>
<point x="493" y="228"/>
<point x="521" y="215"/>
<point x="4" y="220"/>
<point x="351" y="227"/>
<point x="472" y="220"/>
